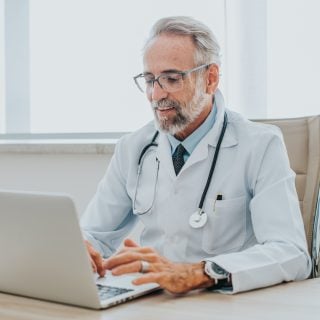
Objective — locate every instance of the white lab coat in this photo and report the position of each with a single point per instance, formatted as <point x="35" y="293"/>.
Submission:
<point x="256" y="232"/>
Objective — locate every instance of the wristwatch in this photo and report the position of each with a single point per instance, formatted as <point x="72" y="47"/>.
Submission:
<point x="221" y="276"/>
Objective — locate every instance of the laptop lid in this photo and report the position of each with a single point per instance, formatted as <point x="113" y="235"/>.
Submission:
<point x="43" y="255"/>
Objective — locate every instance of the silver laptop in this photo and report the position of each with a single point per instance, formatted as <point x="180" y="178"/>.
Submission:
<point x="43" y="254"/>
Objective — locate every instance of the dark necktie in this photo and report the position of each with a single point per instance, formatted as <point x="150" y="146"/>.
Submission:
<point x="177" y="158"/>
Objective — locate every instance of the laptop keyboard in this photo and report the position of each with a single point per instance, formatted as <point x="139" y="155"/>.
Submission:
<point x="106" y="292"/>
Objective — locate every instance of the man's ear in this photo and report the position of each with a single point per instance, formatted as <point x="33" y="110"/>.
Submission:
<point x="212" y="79"/>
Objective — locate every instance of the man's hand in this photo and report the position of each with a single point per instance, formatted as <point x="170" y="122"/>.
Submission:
<point x="174" y="277"/>
<point x="96" y="259"/>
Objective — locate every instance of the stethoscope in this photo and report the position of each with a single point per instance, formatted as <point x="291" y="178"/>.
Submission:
<point x="199" y="218"/>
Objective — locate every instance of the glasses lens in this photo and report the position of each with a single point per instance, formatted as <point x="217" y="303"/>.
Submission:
<point x="141" y="83"/>
<point x="171" y="82"/>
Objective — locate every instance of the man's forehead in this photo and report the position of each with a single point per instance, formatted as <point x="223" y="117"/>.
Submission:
<point x="169" y="52"/>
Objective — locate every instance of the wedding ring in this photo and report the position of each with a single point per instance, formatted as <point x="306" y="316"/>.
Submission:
<point x="145" y="266"/>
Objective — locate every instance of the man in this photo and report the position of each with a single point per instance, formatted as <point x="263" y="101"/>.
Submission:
<point x="237" y="230"/>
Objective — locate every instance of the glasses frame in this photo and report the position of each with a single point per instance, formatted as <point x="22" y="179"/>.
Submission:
<point x="182" y="73"/>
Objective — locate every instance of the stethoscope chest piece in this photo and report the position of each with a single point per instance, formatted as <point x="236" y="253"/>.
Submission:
<point x="198" y="219"/>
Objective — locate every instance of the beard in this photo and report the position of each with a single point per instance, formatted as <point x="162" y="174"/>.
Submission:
<point x="186" y="113"/>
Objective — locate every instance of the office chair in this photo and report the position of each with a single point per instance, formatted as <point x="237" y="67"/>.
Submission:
<point x="302" y="139"/>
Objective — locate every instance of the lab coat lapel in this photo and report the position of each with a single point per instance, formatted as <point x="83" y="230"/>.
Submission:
<point x="164" y="156"/>
<point x="211" y="138"/>
<point x="213" y="135"/>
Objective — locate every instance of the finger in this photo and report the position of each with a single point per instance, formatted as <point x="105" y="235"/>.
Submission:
<point x="127" y="268"/>
<point x="136" y="249"/>
<point x="96" y="259"/>
<point x="93" y="265"/>
<point x="130" y="243"/>
<point x="128" y="257"/>
<point x="100" y="266"/>
<point x="122" y="258"/>
<point x="154" y="277"/>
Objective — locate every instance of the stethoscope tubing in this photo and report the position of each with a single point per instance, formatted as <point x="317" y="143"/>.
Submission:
<point x="149" y="145"/>
<point x="214" y="161"/>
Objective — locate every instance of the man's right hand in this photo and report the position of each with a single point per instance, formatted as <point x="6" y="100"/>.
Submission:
<point x="96" y="259"/>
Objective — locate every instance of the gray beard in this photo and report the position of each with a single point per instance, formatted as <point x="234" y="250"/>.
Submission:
<point x="185" y="114"/>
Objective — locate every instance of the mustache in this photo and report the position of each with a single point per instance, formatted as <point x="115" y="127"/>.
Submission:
<point x="165" y="103"/>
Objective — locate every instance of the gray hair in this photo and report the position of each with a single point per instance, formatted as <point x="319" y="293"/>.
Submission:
<point x="207" y="47"/>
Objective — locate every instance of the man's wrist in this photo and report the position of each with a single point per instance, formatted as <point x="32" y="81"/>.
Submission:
<point x="202" y="280"/>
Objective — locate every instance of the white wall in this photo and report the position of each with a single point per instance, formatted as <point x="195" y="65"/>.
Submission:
<point x="293" y="58"/>
<point x="246" y="57"/>
<point x="75" y="174"/>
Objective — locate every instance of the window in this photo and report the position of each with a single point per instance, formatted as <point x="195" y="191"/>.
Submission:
<point x="293" y="58"/>
<point x="80" y="59"/>
<point x="67" y="65"/>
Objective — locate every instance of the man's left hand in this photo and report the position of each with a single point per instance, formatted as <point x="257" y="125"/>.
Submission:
<point x="174" y="277"/>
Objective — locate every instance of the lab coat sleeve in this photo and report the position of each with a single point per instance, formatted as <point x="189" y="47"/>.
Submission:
<point x="108" y="217"/>
<point x="281" y="252"/>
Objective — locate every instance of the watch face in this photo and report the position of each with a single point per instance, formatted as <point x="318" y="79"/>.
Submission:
<point x="217" y="269"/>
<point x="218" y="272"/>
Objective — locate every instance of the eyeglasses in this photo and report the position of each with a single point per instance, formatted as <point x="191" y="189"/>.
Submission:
<point x="169" y="81"/>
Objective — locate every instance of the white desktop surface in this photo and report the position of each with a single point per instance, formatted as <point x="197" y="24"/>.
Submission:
<point x="298" y="300"/>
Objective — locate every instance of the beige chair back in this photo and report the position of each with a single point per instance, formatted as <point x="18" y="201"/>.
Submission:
<point x="302" y="139"/>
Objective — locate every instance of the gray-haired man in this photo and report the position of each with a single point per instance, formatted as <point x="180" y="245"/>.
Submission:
<point x="214" y="191"/>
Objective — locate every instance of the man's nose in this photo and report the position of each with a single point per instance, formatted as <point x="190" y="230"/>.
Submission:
<point x="157" y="92"/>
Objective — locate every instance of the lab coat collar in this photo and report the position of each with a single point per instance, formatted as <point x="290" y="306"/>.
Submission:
<point x="202" y="149"/>
<point x="164" y="155"/>
<point x="212" y="137"/>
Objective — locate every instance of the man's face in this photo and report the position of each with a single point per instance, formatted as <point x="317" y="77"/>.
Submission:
<point x="183" y="110"/>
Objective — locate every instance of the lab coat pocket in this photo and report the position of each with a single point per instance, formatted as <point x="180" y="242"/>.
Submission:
<point x="225" y="229"/>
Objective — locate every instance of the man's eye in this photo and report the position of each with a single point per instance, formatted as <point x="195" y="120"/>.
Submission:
<point x="172" y="79"/>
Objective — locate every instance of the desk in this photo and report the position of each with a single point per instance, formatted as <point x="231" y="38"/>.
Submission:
<point x="299" y="300"/>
